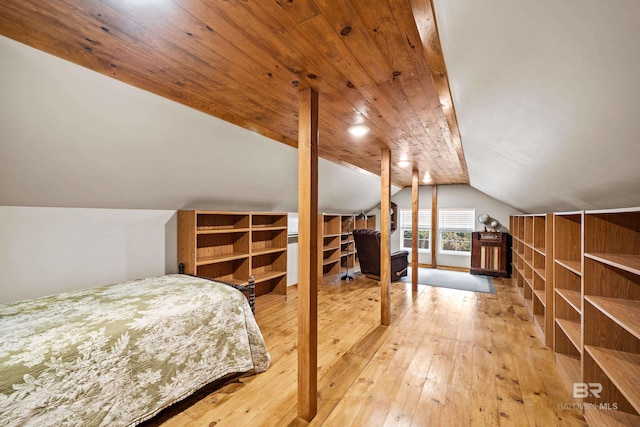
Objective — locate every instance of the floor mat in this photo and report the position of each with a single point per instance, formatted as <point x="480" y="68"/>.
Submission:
<point x="453" y="280"/>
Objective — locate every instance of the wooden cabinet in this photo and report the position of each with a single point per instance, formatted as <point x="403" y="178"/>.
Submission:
<point x="338" y="247"/>
<point x="489" y="253"/>
<point x="231" y="246"/>
<point x="611" y="314"/>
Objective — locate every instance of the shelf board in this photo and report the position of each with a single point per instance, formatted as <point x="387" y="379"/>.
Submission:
<point x="267" y="275"/>
<point x="597" y="417"/>
<point x="619" y="366"/>
<point x="541" y="272"/>
<point x="232" y="280"/>
<point x="624" y="312"/>
<point x="264" y="251"/>
<point x="571" y="265"/>
<point x="528" y="282"/>
<point x="266" y="228"/>
<point x="572" y="330"/>
<point x="539" y="293"/>
<point x="572" y="297"/>
<point x="221" y="258"/>
<point x="331" y="235"/>
<point x="330" y="261"/>
<point x="570" y="367"/>
<point x="331" y="248"/>
<point x="207" y="230"/>
<point x="541" y="250"/>
<point x="630" y="263"/>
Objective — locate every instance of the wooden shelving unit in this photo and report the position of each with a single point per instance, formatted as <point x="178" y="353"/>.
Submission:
<point x="337" y="238"/>
<point x="517" y="251"/>
<point x="612" y="313"/>
<point x="347" y="245"/>
<point x="532" y="259"/>
<point x="331" y="241"/>
<point x="586" y="291"/>
<point x="231" y="246"/>
<point x="567" y="280"/>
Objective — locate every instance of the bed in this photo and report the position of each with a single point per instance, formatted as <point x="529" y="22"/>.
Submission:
<point x="117" y="355"/>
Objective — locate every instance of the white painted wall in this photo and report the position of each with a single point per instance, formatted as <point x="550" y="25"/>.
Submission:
<point x="450" y="196"/>
<point x="292" y="249"/>
<point x="292" y="264"/>
<point x="546" y="95"/>
<point x="464" y="196"/>
<point x="50" y="250"/>
<point x="71" y="137"/>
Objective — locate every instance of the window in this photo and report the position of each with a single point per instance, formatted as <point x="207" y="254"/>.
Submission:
<point x="455" y="227"/>
<point x="424" y="229"/>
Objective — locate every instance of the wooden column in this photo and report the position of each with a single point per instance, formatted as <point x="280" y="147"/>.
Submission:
<point x="434" y="225"/>
<point x="414" y="231"/>
<point x="308" y="265"/>
<point x="385" y="241"/>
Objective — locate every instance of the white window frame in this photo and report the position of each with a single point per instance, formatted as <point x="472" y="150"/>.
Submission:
<point x="405" y="224"/>
<point x="460" y="225"/>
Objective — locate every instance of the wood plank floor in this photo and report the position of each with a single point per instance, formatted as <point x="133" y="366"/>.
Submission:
<point x="449" y="358"/>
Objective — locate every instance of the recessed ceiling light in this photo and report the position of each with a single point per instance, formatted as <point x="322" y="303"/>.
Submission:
<point x="404" y="163"/>
<point x="427" y="178"/>
<point x="358" y="130"/>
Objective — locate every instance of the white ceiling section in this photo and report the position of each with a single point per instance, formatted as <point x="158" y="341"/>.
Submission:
<point x="71" y="137"/>
<point x="547" y="96"/>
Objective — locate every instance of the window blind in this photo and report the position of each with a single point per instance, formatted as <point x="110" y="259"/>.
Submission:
<point x="457" y="219"/>
<point x="424" y="218"/>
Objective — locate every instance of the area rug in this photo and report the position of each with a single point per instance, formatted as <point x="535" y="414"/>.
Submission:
<point x="453" y="280"/>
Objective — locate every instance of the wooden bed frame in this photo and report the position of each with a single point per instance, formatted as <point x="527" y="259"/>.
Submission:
<point x="250" y="288"/>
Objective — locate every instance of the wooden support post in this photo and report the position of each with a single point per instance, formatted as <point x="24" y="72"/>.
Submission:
<point x="385" y="241"/>
<point x="414" y="231"/>
<point x="308" y="257"/>
<point x="434" y="225"/>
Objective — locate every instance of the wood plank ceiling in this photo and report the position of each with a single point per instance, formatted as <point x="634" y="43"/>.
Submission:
<point x="376" y="63"/>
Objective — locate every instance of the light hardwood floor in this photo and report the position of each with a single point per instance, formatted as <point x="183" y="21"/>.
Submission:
<point x="449" y="358"/>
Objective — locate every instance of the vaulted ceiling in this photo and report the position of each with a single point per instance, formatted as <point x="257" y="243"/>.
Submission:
<point x="546" y="94"/>
<point x="373" y="63"/>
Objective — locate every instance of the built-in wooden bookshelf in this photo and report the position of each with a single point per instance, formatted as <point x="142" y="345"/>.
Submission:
<point x="567" y="279"/>
<point x="532" y="259"/>
<point x="337" y="238"/>
<point x="347" y="245"/>
<point x="588" y="264"/>
<point x="231" y="246"/>
<point x="612" y="313"/>
<point x="517" y="251"/>
<point x="331" y="241"/>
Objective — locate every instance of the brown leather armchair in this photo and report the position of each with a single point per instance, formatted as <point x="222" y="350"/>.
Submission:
<point x="368" y="247"/>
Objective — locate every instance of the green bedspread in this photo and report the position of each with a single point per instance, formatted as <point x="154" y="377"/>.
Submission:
<point x="117" y="355"/>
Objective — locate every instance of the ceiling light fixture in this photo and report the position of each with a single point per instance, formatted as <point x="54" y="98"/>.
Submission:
<point x="404" y="163"/>
<point x="358" y="130"/>
<point x="427" y="178"/>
